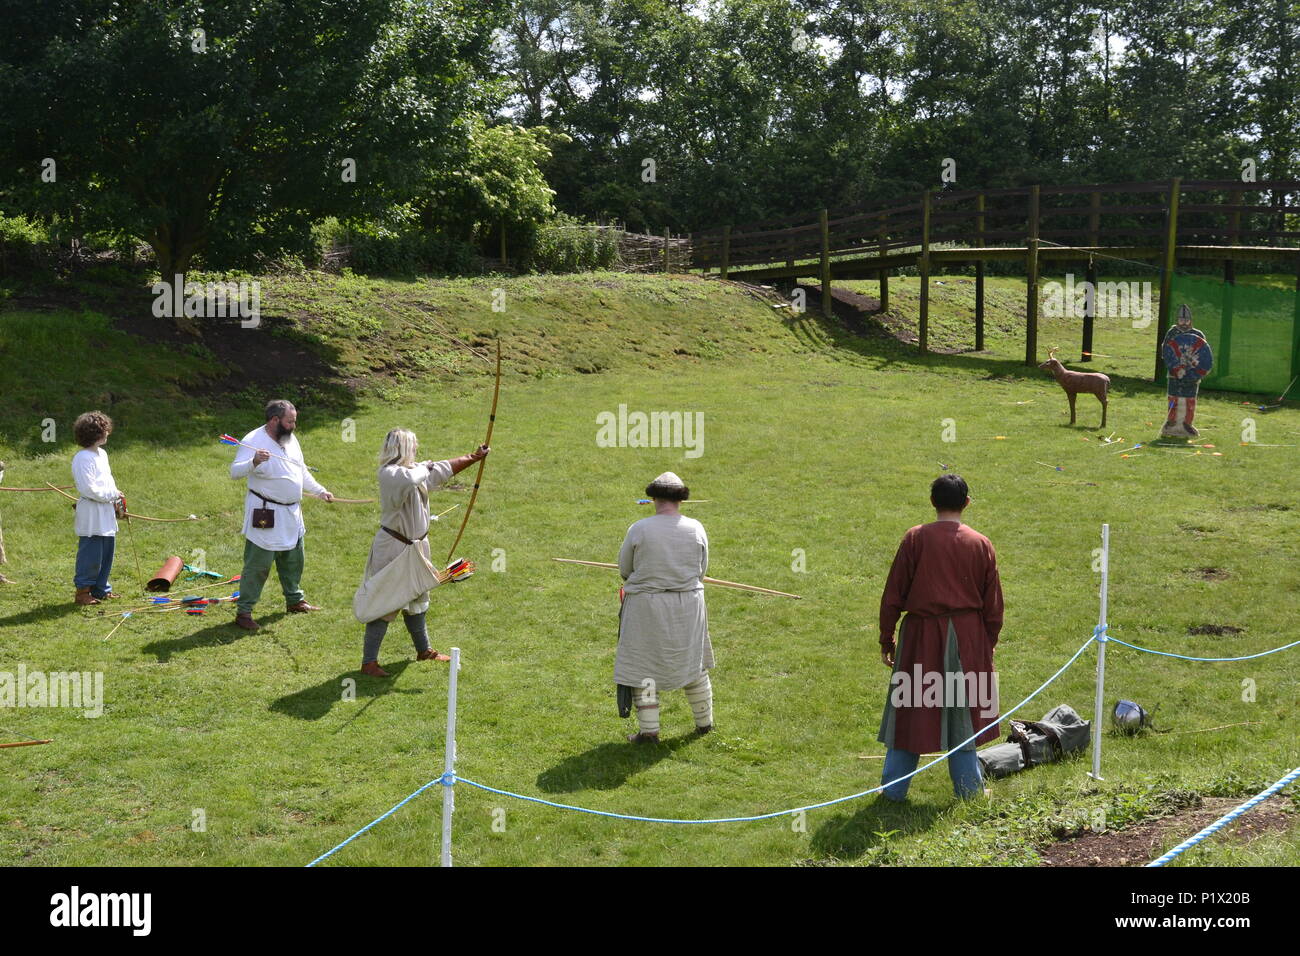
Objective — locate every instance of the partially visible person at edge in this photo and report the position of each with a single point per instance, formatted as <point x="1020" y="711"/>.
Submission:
<point x="404" y="487"/>
<point x="98" y="506"/>
<point x="274" y="535"/>
<point x="945" y="577"/>
<point x="663" y="636"/>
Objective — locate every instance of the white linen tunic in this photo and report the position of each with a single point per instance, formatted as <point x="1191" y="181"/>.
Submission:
<point x="663" y="624"/>
<point x="404" y="507"/>
<point x="279" y="480"/>
<point x="98" y="492"/>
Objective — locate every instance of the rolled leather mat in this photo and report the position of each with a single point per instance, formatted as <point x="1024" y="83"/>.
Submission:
<point x="166" y="576"/>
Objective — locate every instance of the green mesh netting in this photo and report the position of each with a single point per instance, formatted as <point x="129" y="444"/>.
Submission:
<point x="1253" y="331"/>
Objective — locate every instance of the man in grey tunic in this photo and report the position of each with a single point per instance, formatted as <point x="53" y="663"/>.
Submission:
<point x="404" y="486"/>
<point x="663" y="637"/>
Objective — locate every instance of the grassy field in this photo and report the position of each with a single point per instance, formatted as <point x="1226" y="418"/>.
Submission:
<point x="817" y="443"/>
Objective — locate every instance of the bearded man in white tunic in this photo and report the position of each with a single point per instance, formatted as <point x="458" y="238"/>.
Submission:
<point x="404" y="487"/>
<point x="663" y="636"/>
<point x="270" y="459"/>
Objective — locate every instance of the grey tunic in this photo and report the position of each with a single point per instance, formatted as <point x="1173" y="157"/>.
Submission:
<point x="663" y="625"/>
<point x="404" y="504"/>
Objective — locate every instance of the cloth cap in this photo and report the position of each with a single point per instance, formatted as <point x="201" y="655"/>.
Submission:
<point x="669" y="480"/>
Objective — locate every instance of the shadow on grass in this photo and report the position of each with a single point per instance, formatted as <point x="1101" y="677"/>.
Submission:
<point x="609" y="766"/>
<point x="849" y="837"/>
<point x="315" y="702"/>
<point x="148" y="362"/>
<point x="48" y="612"/>
<point x="211" y="636"/>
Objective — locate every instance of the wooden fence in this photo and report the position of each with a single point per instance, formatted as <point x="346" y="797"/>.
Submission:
<point x="1212" y="220"/>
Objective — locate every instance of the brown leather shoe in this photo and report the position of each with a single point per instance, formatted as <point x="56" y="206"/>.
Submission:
<point x="372" y="669"/>
<point x="302" y="607"/>
<point x="431" y="655"/>
<point x="111" y="596"/>
<point x="246" y="622"/>
<point x="643" y="738"/>
<point x="84" y="597"/>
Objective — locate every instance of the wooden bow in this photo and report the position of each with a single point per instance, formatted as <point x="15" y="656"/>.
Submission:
<point x="492" y="419"/>
<point x="128" y="514"/>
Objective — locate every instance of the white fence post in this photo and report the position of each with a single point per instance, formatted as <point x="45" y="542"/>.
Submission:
<point x="449" y="765"/>
<point x="1101" y="657"/>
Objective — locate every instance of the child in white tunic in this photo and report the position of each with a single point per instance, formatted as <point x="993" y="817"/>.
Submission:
<point x="97" y="508"/>
<point x="663" y="639"/>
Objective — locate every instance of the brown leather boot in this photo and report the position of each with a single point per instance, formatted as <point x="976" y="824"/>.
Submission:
<point x="302" y="607"/>
<point x="431" y="655"/>
<point x="372" y="669"/>
<point x="246" y="622"/>
<point x="84" y="597"/>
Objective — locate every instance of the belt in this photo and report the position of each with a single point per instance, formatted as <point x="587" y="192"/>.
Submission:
<point x="403" y="538"/>
<point x="934" y="617"/>
<point x="272" y="501"/>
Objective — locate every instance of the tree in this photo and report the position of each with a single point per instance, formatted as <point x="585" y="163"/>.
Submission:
<point x="495" y="183"/>
<point x="218" y="131"/>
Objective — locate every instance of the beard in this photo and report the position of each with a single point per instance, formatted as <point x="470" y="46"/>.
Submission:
<point x="281" y="433"/>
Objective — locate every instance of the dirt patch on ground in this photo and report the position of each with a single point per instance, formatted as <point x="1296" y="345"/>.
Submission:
<point x="861" y="315"/>
<point x="1218" y="630"/>
<point x="1140" y="844"/>
<point x="1211" y="574"/>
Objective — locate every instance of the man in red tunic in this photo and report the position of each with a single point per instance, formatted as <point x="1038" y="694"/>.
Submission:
<point x="943" y="687"/>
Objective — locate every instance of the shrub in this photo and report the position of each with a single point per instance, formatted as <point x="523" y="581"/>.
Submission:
<point x="408" y="250"/>
<point x="24" y="245"/>
<point x="566" y="244"/>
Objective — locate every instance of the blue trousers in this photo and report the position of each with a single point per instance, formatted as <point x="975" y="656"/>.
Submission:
<point x="94" y="562"/>
<point x="963" y="768"/>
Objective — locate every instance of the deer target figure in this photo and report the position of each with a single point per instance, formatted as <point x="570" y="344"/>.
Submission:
<point x="1089" y="383"/>
<point x="1188" y="360"/>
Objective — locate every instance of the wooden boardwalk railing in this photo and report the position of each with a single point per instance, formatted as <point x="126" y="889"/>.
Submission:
<point x="1207" y="220"/>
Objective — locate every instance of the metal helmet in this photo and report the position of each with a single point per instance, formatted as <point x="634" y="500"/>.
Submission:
<point x="1129" y="717"/>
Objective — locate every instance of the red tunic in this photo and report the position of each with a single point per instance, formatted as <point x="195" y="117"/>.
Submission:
<point x="944" y="687"/>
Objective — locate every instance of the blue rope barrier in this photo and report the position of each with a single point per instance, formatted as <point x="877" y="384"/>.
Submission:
<point x="376" y="820"/>
<point x="452" y="779"/>
<point x="1183" y="657"/>
<point x="1226" y="819"/>
<point x="786" y="813"/>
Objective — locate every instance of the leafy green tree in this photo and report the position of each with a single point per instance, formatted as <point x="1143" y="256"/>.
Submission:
<point x="495" y="182"/>
<point x="216" y="130"/>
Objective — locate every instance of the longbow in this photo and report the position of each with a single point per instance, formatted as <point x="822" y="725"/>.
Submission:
<point x="492" y="420"/>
